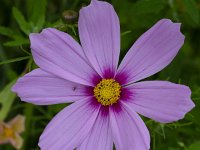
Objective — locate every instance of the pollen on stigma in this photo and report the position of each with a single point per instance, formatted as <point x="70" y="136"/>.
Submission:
<point x="107" y="92"/>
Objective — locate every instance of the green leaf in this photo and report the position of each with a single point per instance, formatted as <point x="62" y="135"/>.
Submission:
<point x="6" y="31"/>
<point x="18" y="41"/>
<point x="23" y="24"/>
<point x="194" y="146"/>
<point x="192" y="10"/>
<point x="38" y="14"/>
<point x="6" y="99"/>
<point x="15" y="60"/>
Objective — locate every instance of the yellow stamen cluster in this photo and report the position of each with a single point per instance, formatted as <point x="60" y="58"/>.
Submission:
<point x="8" y="132"/>
<point x="107" y="92"/>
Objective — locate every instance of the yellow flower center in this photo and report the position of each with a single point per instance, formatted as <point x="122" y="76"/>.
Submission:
<point x="8" y="132"/>
<point x="107" y="92"/>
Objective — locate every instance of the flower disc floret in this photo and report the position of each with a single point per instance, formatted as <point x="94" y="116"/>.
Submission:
<point x="107" y="92"/>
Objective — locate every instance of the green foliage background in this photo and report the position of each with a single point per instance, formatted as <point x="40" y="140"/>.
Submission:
<point x="19" y="18"/>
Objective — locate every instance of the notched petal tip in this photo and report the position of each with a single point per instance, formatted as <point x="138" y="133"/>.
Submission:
<point x="97" y="1"/>
<point x="153" y="51"/>
<point x="161" y="101"/>
<point x="165" y="20"/>
<point x="102" y="51"/>
<point x="188" y="103"/>
<point x="32" y="36"/>
<point x="191" y="104"/>
<point x="94" y="1"/>
<point x="176" y="26"/>
<point x="48" y="30"/>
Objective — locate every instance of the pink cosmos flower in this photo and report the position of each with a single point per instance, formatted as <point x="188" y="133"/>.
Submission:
<point x="106" y="97"/>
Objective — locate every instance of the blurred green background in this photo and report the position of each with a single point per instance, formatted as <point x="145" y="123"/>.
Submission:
<point x="18" y="18"/>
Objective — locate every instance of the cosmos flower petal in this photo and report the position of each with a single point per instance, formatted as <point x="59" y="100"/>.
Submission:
<point x="99" y="31"/>
<point x="18" y="124"/>
<point x="153" y="51"/>
<point x="128" y="130"/>
<point x="69" y="127"/>
<point x="100" y="137"/>
<point x="42" y="88"/>
<point x="59" y="54"/>
<point x="161" y="101"/>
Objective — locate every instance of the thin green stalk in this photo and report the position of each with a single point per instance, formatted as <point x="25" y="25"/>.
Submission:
<point x="15" y="60"/>
<point x="10" y="74"/>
